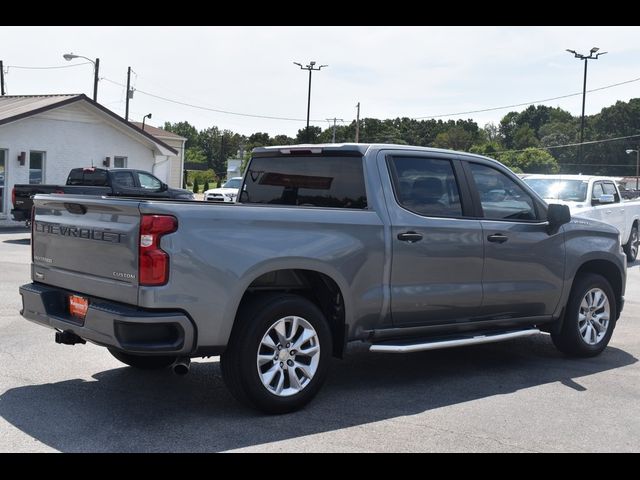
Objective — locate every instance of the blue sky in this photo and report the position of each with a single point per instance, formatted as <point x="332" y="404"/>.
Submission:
<point x="391" y="71"/>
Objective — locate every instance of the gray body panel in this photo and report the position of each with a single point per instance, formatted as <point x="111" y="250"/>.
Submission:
<point x="452" y="276"/>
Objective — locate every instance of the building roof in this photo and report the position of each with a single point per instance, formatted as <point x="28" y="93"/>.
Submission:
<point x="158" y="132"/>
<point x="17" y="107"/>
<point x="12" y="106"/>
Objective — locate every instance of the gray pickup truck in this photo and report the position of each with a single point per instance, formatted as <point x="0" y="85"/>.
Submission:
<point x="406" y="248"/>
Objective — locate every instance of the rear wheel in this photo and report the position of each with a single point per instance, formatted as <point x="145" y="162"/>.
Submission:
<point x="150" y="362"/>
<point x="278" y="354"/>
<point x="589" y="319"/>
<point x="631" y="248"/>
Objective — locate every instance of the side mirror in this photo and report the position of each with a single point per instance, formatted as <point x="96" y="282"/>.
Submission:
<point x="606" y="198"/>
<point x="557" y="215"/>
<point x="164" y="187"/>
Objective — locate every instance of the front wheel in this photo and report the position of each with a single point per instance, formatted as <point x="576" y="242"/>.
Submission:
<point x="631" y="248"/>
<point x="150" y="362"/>
<point x="590" y="317"/>
<point x="278" y="353"/>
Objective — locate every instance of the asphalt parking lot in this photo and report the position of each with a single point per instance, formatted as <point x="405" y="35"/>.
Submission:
<point x="517" y="396"/>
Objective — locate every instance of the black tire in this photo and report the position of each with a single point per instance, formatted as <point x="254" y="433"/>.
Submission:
<point x="631" y="248"/>
<point x="238" y="363"/>
<point x="569" y="340"/>
<point x="144" y="362"/>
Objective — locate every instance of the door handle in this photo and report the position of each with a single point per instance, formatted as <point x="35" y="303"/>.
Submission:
<point x="497" y="238"/>
<point x="608" y="211"/>
<point x="410" y="237"/>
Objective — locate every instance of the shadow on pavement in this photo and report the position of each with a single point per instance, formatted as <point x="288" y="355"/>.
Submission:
<point x="19" y="241"/>
<point x="128" y="410"/>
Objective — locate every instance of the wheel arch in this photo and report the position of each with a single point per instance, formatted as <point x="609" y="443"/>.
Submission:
<point x="326" y="288"/>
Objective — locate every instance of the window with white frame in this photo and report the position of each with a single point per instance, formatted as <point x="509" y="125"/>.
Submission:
<point x="36" y="167"/>
<point x="120" y="162"/>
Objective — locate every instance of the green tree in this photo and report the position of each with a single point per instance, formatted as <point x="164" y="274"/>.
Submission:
<point x="184" y="129"/>
<point x="532" y="160"/>
<point x="456" y="138"/>
<point x="196" y="187"/>
<point x="314" y="134"/>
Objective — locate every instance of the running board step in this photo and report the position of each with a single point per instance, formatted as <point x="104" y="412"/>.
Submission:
<point x="455" y="342"/>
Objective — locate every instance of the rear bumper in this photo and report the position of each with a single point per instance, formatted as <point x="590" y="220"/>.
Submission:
<point x="20" y="215"/>
<point x="110" y="324"/>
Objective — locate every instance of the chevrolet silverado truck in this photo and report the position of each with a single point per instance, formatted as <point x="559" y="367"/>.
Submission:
<point x="406" y="248"/>
<point x="593" y="197"/>
<point x="119" y="182"/>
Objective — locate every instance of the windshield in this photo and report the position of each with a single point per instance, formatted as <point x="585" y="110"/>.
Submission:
<point x="233" y="183"/>
<point x="552" y="188"/>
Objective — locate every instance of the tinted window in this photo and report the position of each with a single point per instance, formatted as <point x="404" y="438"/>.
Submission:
<point x="316" y="181"/>
<point x="500" y="196"/>
<point x="148" y="181"/>
<point x="124" y="179"/>
<point x="36" y="167"/>
<point x="87" y="176"/>
<point x="426" y="186"/>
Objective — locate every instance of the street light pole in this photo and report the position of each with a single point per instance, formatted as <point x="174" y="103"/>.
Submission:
<point x="592" y="52"/>
<point x="96" y="68"/>
<point x="148" y="115"/>
<point x="311" y="68"/>
<point x="637" y="152"/>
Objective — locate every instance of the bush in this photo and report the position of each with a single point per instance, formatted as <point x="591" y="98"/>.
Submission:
<point x="206" y="186"/>
<point x="196" y="187"/>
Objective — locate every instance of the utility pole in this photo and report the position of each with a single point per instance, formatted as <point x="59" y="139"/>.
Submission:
<point x="126" y="111"/>
<point x="1" y="77"/>
<point x="95" y="79"/>
<point x="334" y="127"/>
<point x="358" y="124"/>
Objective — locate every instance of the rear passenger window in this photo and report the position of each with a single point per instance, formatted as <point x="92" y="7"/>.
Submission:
<point x="426" y="186"/>
<point x="124" y="179"/>
<point x="307" y="181"/>
<point x="501" y="198"/>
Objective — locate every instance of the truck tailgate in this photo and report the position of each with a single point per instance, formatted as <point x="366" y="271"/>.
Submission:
<point x="87" y="245"/>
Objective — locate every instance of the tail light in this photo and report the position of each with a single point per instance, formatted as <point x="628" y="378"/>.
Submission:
<point x="13" y="197"/>
<point x="153" y="262"/>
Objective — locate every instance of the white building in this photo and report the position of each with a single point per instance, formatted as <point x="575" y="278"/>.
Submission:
<point x="42" y="137"/>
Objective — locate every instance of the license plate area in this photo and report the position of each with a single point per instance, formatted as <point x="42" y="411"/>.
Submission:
<point x="78" y="307"/>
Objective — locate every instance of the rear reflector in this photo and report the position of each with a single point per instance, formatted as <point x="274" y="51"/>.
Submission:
<point x="153" y="262"/>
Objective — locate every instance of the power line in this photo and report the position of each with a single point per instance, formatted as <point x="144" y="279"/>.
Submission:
<point x="570" y="144"/>
<point x="22" y="67"/>
<point x="210" y="109"/>
<point x="530" y="102"/>
<point x="271" y="117"/>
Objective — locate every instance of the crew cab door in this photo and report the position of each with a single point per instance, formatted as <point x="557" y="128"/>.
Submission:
<point x="523" y="264"/>
<point x="437" y="248"/>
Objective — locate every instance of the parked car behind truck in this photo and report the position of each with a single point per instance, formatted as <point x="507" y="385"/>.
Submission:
<point x="406" y="248"/>
<point x="118" y="182"/>
<point x="595" y="197"/>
